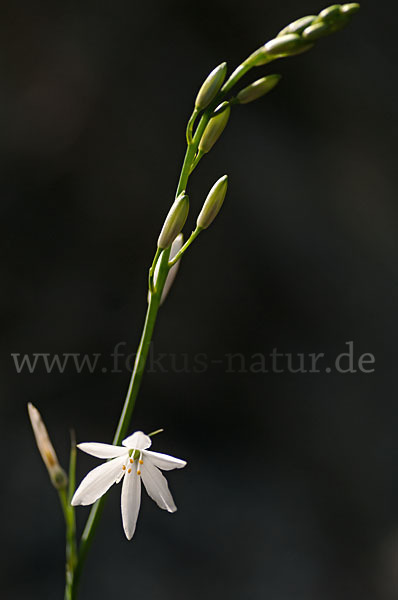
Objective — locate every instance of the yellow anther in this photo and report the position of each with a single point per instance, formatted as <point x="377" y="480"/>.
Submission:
<point x="129" y="471"/>
<point x="138" y="472"/>
<point x="141" y="462"/>
<point x="124" y="467"/>
<point x="131" y="460"/>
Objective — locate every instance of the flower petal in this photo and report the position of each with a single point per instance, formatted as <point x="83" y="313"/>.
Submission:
<point x="171" y="275"/>
<point x="97" y="482"/>
<point x="138" y="440"/>
<point x="131" y="500"/>
<point x="102" y="450"/>
<point x="164" y="461"/>
<point x="156" y="486"/>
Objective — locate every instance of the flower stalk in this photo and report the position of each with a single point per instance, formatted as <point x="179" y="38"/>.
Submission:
<point x="212" y="109"/>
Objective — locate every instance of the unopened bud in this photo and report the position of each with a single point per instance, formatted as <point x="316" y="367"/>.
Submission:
<point x="57" y="475"/>
<point x="286" y="45"/>
<point x="213" y="203"/>
<point x="297" y="26"/>
<point x="350" y="9"/>
<point x="257" y="89"/>
<point x="174" y="222"/>
<point x="171" y="275"/>
<point x="220" y="109"/>
<point x="214" y="129"/>
<point x="330" y="13"/>
<point x="317" y="31"/>
<point x="211" y="86"/>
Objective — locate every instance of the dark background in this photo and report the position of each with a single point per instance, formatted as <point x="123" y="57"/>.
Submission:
<point x="292" y="486"/>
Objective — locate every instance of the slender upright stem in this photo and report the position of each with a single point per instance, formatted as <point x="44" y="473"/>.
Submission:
<point x="149" y="325"/>
<point x="128" y="407"/>
<point x="71" y="549"/>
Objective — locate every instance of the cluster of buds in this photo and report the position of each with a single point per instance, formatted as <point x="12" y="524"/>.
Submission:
<point x="175" y="220"/>
<point x="299" y="36"/>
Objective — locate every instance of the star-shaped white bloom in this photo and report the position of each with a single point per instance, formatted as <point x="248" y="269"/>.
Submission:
<point x="130" y="462"/>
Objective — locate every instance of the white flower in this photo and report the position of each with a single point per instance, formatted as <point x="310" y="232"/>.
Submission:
<point x="130" y="462"/>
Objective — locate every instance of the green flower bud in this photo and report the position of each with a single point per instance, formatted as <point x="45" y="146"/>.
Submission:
<point x="257" y="89"/>
<point x="286" y="45"/>
<point x="297" y="26"/>
<point x="259" y="57"/>
<point x="220" y="108"/>
<point x="214" y="129"/>
<point x="211" y="86"/>
<point x="330" y="13"/>
<point x="174" y="222"/>
<point x="317" y="31"/>
<point x="213" y="203"/>
<point x="350" y="9"/>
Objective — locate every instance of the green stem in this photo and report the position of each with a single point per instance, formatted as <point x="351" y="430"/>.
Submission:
<point x="150" y="320"/>
<point x="124" y="421"/>
<point x="71" y="549"/>
<point x="196" y="160"/>
<point x="190" y="125"/>
<point x="152" y="270"/>
<point x="185" y="247"/>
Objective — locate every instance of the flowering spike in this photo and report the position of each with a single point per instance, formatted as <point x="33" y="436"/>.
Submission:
<point x="174" y="222"/>
<point x="297" y="37"/>
<point x="58" y="476"/>
<point x="213" y="203"/>
<point x="211" y="86"/>
<point x="214" y="129"/>
<point x="257" y="89"/>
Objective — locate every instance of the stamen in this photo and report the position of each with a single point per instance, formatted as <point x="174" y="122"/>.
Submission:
<point x="131" y="460"/>
<point x="128" y="470"/>
<point x="141" y="462"/>
<point x="124" y="467"/>
<point x="138" y="472"/>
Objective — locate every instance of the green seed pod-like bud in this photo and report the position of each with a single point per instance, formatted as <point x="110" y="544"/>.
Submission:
<point x="211" y="86"/>
<point x="297" y="26"/>
<point x="174" y="222"/>
<point x="213" y="130"/>
<point x="330" y="14"/>
<point x="350" y="9"/>
<point x="220" y="108"/>
<point x="317" y="31"/>
<point x="321" y="29"/>
<point x="57" y="475"/>
<point x="213" y="203"/>
<point x="257" y="89"/>
<point x="286" y="45"/>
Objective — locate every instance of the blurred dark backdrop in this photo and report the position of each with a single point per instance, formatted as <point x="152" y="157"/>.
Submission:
<point x="292" y="486"/>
